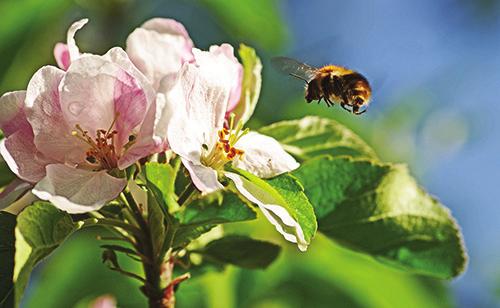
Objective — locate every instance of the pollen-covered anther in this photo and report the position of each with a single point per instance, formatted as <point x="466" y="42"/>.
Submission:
<point x="230" y="151"/>
<point x="102" y="153"/>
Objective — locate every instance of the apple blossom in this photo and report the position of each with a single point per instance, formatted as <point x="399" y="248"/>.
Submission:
<point x="197" y="104"/>
<point x="71" y="132"/>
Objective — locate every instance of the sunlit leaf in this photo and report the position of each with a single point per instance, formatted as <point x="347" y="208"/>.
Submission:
<point x="313" y="136"/>
<point x="379" y="209"/>
<point x="283" y="202"/>
<point x="161" y="181"/>
<point x="40" y="229"/>
<point x="251" y="85"/>
<point x="215" y="209"/>
<point x="203" y="213"/>
<point x="241" y="251"/>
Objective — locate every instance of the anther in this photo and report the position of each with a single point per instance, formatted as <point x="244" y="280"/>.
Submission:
<point x="91" y="159"/>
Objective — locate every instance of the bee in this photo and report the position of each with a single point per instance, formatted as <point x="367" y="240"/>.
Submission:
<point x="334" y="84"/>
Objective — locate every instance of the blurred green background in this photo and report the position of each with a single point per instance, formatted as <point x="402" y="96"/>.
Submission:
<point x="435" y="80"/>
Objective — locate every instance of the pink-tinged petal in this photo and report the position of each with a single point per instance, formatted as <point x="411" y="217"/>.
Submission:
<point x="130" y="105"/>
<point x="204" y="178"/>
<point x="22" y="157"/>
<point x="94" y="92"/>
<point x="12" y="116"/>
<point x="77" y="190"/>
<point x="263" y="156"/>
<point x="159" y="48"/>
<point x="12" y="192"/>
<point x="61" y="54"/>
<point x="120" y="57"/>
<point x="52" y="133"/>
<point x="18" y="148"/>
<point x="235" y="69"/>
<point x="74" y="52"/>
<point x="146" y="143"/>
<point x="275" y="212"/>
<point x="198" y="103"/>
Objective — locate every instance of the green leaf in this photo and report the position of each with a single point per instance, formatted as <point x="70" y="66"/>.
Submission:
<point x="252" y="80"/>
<point x="7" y="252"/>
<point x="240" y="18"/>
<point x="41" y="228"/>
<point x="160" y="180"/>
<point x="186" y="234"/>
<point x="379" y="209"/>
<point x="274" y="195"/>
<point x="157" y="225"/>
<point x="216" y="208"/>
<point x="6" y="176"/>
<point x="241" y="251"/>
<point x="203" y="213"/>
<point x="313" y="136"/>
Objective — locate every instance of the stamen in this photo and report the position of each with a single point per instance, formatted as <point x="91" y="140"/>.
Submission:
<point x="102" y="150"/>
<point x="231" y="121"/>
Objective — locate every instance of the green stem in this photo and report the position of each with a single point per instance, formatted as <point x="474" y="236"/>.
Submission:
<point x="151" y="263"/>
<point x="111" y="222"/>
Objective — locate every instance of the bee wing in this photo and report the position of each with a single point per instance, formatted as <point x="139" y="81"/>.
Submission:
<point x="294" y="68"/>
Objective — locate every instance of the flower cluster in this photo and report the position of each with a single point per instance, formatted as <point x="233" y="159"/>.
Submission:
<point x="76" y="128"/>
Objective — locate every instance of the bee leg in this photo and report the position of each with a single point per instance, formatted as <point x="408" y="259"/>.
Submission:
<point x="319" y="100"/>
<point x="359" y="112"/>
<point x="344" y="106"/>
<point x="329" y="102"/>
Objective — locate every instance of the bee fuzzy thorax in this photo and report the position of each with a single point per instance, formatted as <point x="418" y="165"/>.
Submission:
<point x="335" y="70"/>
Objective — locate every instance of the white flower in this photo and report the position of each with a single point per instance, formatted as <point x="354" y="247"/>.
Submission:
<point x="196" y="104"/>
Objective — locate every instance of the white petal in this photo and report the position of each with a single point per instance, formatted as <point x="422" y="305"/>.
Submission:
<point x="198" y="102"/>
<point x="159" y="48"/>
<point x="87" y="93"/>
<point x="204" y="178"/>
<point x="76" y="190"/>
<point x="74" y="52"/>
<point x="273" y="211"/>
<point x="263" y="156"/>
<point x="234" y="72"/>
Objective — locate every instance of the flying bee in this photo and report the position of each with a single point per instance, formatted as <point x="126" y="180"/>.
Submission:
<point x="334" y="84"/>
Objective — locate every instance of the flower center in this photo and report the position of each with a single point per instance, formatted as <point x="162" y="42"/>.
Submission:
<point x="102" y="153"/>
<point x="224" y="151"/>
